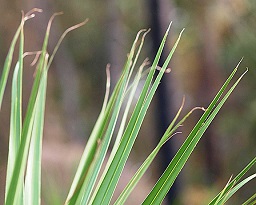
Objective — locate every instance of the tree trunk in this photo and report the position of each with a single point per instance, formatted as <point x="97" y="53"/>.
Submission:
<point x="209" y="81"/>
<point x="164" y="105"/>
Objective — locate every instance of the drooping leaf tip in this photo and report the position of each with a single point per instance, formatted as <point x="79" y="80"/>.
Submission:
<point x="30" y="14"/>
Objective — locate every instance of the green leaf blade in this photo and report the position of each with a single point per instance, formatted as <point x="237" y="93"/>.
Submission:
<point x="33" y="173"/>
<point x="16" y="184"/>
<point x="109" y="183"/>
<point x="165" y="182"/>
<point x="235" y="180"/>
<point x="8" y="61"/>
<point x="16" y="113"/>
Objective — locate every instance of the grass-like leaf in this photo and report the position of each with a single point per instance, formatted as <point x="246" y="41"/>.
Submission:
<point x="102" y="151"/>
<point x="137" y="176"/>
<point x="87" y="182"/>
<point x="16" y="104"/>
<point x="127" y="106"/>
<point x="91" y="147"/>
<point x="133" y="119"/>
<point x="25" y="146"/>
<point x="223" y="192"/>
<point x="8" y="61"/>
<point x="234" y="181"/>
<point x="251" y="200"/>
<point x="32" y="194"/>
<point x="21" y="160"/>
<point x="16" y="115"/>
<point x="26" y="142"/>
<point x="165" y="182"/>
<point x="107" y="187"/>
<point x="236" y="188"/>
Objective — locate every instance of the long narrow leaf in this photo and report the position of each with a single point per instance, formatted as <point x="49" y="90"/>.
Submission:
<point x="8" y="61"/>
<point x="237" y="187"/>
<point x="16" y="115"/>
<point x="95" y="172"/>
<point x="33" y="175"/>
<point x="15" y="127"/>
<point x="109" y="183"/>
<point x="165" y="182"/>
<point x="132" y="90"/>
<point x="91" y="147"/>
<point x="251" y="200"/>
<point x="132" y="121"/>
<point x="106" y="140"/>
<point x="82" y="179"/>
<point x="137" y="176"/>
<point x="236" y="179"/>
<point x="109" y="132"/>
<point x="20" y="163"/>
<point x="223" y="192"/>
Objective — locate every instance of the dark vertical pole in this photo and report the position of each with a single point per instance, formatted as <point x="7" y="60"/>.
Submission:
<point x="209" y="77"/>
<point x="164" y="100"/>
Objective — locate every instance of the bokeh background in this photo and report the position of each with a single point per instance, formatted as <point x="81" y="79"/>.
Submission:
<point x="217" y="35"/>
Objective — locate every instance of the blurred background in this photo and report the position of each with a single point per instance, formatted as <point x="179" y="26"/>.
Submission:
<point x="217" y="35"/>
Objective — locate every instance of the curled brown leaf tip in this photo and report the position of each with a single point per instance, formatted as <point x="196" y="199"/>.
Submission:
<point x="36" y="53"/>
<point x="63" y="35"/>
<point x="176" y="133"/>
<point x="167" y="70"/>
<point x="51" y="19"/>
<point x="30" y="14"/>
<point x="76" y="26"/>
<point x="198" y="108"/>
